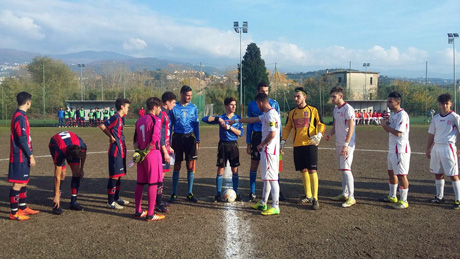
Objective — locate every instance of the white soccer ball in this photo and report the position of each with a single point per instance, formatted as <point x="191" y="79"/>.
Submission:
<point x="229" y="195"/>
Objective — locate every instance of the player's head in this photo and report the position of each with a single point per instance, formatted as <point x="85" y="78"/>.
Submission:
<point x="445" y="102"/>
<point x="90" y="110"/>
<point x="111" y="108"/>
<point x="122" y="105"/>
<point x="394" y="101"/>
<point x="337" y="95"/>
<point x="154" y="105"/>
<point x="230" y="104"/>
<point x="24" y="100"/>
<point x="169" y="100"/>
<point x="81" y="108"/>
<point x="300" y="97"/>
<point x="74" y="152"/>
<point x="262" y="101"/>
<point x="186" y="94"/>
<point x="262" y="87"/>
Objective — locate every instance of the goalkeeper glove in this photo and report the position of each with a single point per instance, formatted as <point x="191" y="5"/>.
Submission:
<point x="139" y="155"/>
<point x="282" y="143"/>
<point x="316" y="139"/>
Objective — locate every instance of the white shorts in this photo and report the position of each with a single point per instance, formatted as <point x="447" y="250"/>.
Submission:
<point x="399" y="163"/>
<point x="344" y="162"/>
<point x="269" y="165"/>
<point x="444" y="159"/>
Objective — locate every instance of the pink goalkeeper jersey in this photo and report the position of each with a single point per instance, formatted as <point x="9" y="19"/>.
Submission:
<point x="148" y="131"/>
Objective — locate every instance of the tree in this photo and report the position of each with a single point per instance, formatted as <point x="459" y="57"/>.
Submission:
<point x="254" y="71"/>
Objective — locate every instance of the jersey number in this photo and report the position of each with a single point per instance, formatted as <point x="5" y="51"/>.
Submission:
<point x="64" y="135"/>
<point x="142" y="128"/>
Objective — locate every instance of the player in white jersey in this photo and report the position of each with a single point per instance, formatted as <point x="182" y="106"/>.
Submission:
<point x="344" y="129"/>
<point x="441" y="149"/>
<point x="269" y="153"/>
<point x="399" y="151"/>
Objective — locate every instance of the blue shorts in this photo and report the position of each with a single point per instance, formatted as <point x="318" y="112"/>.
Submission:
<point x="19" y="172"/>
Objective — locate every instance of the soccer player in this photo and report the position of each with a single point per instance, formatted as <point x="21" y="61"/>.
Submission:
<point x="98" y="115"/>
<point x="68" y="146"/>
<point x="308" y="130"/>
<point x="21" y="159"/>
<point x="111" y="112"/>
<point x="228" y="145"/>
<point x="344" y="129"/>
<point x="149" y="171"/>
<point x="91" y="117"/>
<point x="254" y="137"/>
<point x="169" y="101"/>
<point x="106" y="114"/>
<point x="113" y="128"/>
<point x="141" y="111"/>
<point x="269" y="152"/>
<point x="398" y="151"/>
<point x="60" y="116"/>
<point x="81" y="122"/>
<point x="72" y="118"/>
<point x="441" y="149"/>
<point x="77" y="116"/>
<point x="67" y="117"/>
<point x="186" y="140"/>
<point x="365" y="118"/>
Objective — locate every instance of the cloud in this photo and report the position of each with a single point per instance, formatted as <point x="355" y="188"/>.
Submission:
<point x="134" y="44"/>
<point x="24" y="26"/>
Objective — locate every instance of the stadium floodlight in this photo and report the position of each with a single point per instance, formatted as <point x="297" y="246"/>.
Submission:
<point x="243" y="29"/>
<point x="81" y="66"/>
<point x="451" y="40"/>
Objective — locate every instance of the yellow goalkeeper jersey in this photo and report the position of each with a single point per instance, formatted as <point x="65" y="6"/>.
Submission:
<point x="306" y="122"/>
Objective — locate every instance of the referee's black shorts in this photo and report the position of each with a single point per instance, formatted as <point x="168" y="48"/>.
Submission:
<point x="184" y="144"/>
<point x="256" y="139"/>
<point x="306" y="157"/>
<point x="228" y="150"/>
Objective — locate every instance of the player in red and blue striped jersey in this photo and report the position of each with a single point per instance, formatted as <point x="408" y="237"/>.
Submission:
<point x="113" y="128"/>
<point x="68" y="146"/>
<point x="21" y="159"/>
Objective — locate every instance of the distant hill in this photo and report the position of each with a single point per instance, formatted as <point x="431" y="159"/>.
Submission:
<point x="12" y="56"/>
<point x="89" y="57"/>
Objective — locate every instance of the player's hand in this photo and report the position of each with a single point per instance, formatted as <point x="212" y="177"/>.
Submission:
<point x="428" y="152"/>
<point x="327" y="137"/>
<point x="167" y="158"/>
<point x="282" y="142"/>
<point x="112" y="139"/>
<point x="56" y="201"/>
<point x="171" y="150"/>
<point x="197" y="145"/>
<point x="82" y="173"/>
<point x="230" y="122"/>
<point x="344" y="151"/>
<point x="316" y="139"/>
<point x="32" y="161"/>
<point x="458" y="152"/>
<point x="248" y="149"/>
<point x="259" y="147"/>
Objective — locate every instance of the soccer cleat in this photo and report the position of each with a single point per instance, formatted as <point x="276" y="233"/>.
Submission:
<point x="192" y="198"/>
<point x="437" y="200"/>
<point x="76" y="206"/>
<point x="57" y="211"/>
<point x="282" y="198"/>
<point x="139" y="215"/>
<point x="115" y="206"/>
<point x="251" y="197"/>
<point x="315" y="204"/>
<point x="349" y="203"/>
<point x="122" y="202"/>
<point x="339" y="197"/>
<point x="271" y="211"/>
<point x="173" y="198"/>
<point x="305" y="199"/>
<point x="401" y="205"/>
<point x="217" y="198"/>
<point x="259" y="206"/>
<point x="28" y="211"/>
<point x="389" y="199"/>
<point x="161" y="208"/>
<point x="456" y="205"/>
<point x="155" y="217"/>
<point x="18" y="216"/>
<point x="238" y="198"/>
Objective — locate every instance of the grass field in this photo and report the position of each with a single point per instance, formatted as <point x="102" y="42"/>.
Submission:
<point x="209" y="230"/>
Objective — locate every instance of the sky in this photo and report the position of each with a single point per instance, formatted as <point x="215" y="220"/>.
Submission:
<point x="297" y="35"/>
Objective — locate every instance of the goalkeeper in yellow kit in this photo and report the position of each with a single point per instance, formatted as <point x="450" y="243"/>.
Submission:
<point x="308" y="131"/>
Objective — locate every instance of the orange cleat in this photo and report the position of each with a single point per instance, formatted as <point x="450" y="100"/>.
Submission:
<point x="155" y="217"/>
<point x="18" y="216"/>
<point x="28" y="211"/>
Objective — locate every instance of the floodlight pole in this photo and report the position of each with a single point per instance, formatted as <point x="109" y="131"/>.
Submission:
<point x="365" y="65"/>
<point x="44" y="99"/>
<point x="81" y="66"/>
<point x="242" y="29"/>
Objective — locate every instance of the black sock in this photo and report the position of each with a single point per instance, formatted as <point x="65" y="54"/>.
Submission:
<point x="14" y="201"/>
<point x="111" y="190"/>
<point x="75" y="185"/>
<point x="23" y="198"/>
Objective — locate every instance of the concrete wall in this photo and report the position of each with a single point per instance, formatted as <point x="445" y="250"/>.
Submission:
<point x="355" y="86"/>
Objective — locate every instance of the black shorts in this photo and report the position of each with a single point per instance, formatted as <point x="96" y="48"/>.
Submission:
<point x="117" y="163"/>
<point x="184" y="143"/>
<point x="228" y="150"/>
<point x="256" y="139"/>
<point x="19" y="172"/>
<point x="306" y="157"/>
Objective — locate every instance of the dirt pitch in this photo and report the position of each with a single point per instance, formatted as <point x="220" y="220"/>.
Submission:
<point x="208" y="230"/>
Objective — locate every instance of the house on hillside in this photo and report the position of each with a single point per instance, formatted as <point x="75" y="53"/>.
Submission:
<point x="357" y="85"/>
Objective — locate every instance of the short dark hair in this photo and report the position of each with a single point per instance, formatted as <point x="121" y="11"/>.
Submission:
<point x="153" y="102"/>
<point x="261" y="97"/>
<point x="74" y="151"/>
<point x="262" y="84"/>
<point x="228" y="100"/>
<point x="443" y="98"/>
<point x="185" y="89"/>
<point x="336" y="89"/>
<point x="168" y="96"/>
<point x="301" y="89"/>
<point x="395" y="95"/>
<point x="120" y="102"/>
<point x="23" y="97"/>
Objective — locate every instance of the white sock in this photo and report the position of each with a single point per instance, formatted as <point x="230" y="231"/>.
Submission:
<point x="350" y="184"/>
<point x="266" y="192"/>
<point x="440" y="188"/>
<point x="344" y="184"/>
<point x="403" y="194"/>
<point x="393" y="188"/>
<point x="456" y="185"/>
<point x="276" y="193"/>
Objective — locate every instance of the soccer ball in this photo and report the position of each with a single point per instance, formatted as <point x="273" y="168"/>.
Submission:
<point x="229" y="195"/>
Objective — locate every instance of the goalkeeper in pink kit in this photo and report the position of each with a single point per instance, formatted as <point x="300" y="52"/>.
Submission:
<point x="149" y="168"/>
